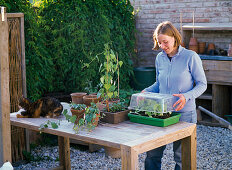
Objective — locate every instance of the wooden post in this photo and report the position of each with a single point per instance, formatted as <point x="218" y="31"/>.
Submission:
<point x="5" y="133"/>
<point x="221" y="100"/>
<point x="64" y="152"/>
<point x="129" y="158"/>
<point x="189" y="150"/>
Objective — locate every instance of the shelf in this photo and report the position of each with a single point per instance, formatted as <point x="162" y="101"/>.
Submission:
<point x="215" y="57"/>
<point x="208" y="26"/>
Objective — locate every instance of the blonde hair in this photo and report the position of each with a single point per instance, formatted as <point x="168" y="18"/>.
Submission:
<point x="166" y="28"/>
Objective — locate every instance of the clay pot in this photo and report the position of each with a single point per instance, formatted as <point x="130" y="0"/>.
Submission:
<point x="211" y="49"/>
<point x="78" y="113"/>
<point x="193" y="41"/>
<point x="230" y="50"/>
<point x="88" y="99"/>
<point x="193" y="48"/>
<point x="77" y="97"/>
<point x="96" y="120"/>
<point x="201" y="47"/>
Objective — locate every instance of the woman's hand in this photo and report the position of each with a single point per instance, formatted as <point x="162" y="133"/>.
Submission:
<point x="180" y="103"/>
<point x="140" y="97"/>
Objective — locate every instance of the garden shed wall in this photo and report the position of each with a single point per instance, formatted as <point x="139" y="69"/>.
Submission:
<point x="151" y="12"/>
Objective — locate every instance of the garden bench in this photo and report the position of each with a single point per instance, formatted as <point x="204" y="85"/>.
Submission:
<point x="131" y="138"/>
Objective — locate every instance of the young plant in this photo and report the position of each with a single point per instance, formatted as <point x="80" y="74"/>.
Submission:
<point x="78" y="106"/>
<point x="116" y="107"/>
<point x="110" y="71"/>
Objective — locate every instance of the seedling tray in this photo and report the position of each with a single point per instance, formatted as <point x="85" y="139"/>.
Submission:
<point x="155" y="121"/>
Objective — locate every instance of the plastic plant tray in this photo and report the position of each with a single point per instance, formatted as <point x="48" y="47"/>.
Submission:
<point x="152" y="102"/>
<point x="155" y="121"/>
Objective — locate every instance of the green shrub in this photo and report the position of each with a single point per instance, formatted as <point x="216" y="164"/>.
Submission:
<point x="62" y="36"/>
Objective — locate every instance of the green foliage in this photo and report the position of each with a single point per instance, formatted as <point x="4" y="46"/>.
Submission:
<point x="117" y="107"/>
<point x="78" y="106"/>
<point x="60" y="36"/>
<point x="110" y="72"/>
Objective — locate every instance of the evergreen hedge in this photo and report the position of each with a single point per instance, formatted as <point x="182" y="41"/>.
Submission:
<point x="62" y="37"/>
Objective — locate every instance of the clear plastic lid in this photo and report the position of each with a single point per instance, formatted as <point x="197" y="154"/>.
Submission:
<point x="152" y="102"/>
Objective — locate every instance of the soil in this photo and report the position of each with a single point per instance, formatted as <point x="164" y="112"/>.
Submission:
<point x="164" y="116"/>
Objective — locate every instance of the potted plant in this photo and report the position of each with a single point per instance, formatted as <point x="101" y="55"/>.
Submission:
<point x="78" y="110"/>
<point x="90" y="119"/>
<point x="153" y="109"/>
<point x="117" y="113"/>
<point x="109" y="81"/>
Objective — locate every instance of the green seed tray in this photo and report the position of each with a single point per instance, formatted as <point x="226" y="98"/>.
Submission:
<point x="155" y="121"/>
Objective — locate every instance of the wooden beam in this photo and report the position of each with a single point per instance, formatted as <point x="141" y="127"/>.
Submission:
<point x="5" y="133"/>
<point x="189" y="149"/>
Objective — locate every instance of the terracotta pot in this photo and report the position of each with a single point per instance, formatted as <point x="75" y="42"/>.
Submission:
<point x="78" y="113"/>
<point x="96" y="120"/>
<point x="201" y="47"/>
<point x="88" y="99"/>
<point x="193" y="41"/>
<point x="230" y="50"/>
<point x="211" y="46"/>
<point x="78" y="97"/>
<point x="194" y="48"/>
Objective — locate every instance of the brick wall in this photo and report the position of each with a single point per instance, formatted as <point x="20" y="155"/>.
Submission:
<point x="152" y="12"/>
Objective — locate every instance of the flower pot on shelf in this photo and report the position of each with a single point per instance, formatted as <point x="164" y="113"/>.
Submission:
<point x="78" y="97"/>
<point x="211" y="49"/>
<point x="201" y="47"/>
<point x="193" y="44"/>
<point x="193" y="41"/>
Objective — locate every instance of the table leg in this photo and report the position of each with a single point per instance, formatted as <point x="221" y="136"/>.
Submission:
<point x="129" y="158"/>
<point x="189" y="148"/>
<point x="64" y="152"/>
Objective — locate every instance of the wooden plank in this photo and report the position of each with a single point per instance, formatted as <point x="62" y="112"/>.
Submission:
<point x="217" y="65"/>
<point x="218" y="72"/>
<point x="129" y="158"/>
<point x="208" y="26"/>
<point x="64" y="152"/>
<point x="5" y="133"/>
<point x="189" y="149"/>
<point x="221" y="100"/>
<point x="15" y="15"/>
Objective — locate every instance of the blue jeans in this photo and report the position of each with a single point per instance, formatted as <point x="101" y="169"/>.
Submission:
<point x="153" y="159"/>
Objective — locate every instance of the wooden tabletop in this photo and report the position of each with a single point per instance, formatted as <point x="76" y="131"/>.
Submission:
<point x="113" y="135"/>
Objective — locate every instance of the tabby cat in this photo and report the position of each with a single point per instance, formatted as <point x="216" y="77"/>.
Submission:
<point x="45" y="107"/>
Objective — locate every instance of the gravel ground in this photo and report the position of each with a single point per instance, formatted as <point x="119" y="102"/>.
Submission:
<point x="214" y="151"/>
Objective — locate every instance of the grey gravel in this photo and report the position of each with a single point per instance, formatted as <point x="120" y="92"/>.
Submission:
<point x="214" y="151"/>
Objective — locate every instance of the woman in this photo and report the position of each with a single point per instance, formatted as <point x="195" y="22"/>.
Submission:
<point x="179" y="72"/>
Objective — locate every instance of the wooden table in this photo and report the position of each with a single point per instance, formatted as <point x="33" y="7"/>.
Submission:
<point x="131" y="138"/>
